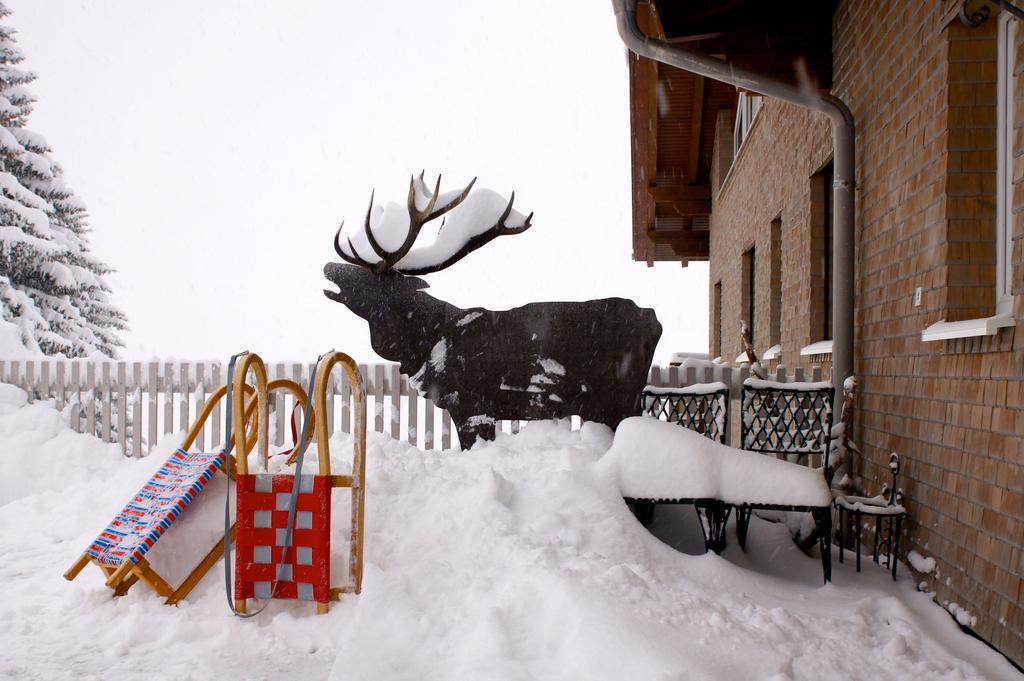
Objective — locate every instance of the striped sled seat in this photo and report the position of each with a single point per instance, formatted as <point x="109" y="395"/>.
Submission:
<point x="121" y="547"/>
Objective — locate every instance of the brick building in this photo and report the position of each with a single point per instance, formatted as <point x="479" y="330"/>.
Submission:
<point x="938" y="290"/>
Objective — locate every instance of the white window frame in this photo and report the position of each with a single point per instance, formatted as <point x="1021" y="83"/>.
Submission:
<point x="747" y="108"/>
<point x="1004" y="163"/>
<point x="1005" y="85"/>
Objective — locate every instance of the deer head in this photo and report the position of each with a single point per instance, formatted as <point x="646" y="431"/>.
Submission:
<point x="378" y="283"/>
<point x="470" y="219"/>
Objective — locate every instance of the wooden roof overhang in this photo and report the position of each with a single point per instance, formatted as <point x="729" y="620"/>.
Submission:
<point x="673" y="113"/>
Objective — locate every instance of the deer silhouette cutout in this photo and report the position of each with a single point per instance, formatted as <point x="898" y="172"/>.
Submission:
<point x="539" y="361"/>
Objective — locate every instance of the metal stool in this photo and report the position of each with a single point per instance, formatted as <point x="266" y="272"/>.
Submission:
<point x="888" y="512"/>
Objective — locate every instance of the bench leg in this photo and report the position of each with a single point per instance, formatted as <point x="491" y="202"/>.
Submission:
<point x="823" y="523"/>
<point x="842" y="532"/>
<point x="704" y="525"/>
<point x="644" y="511"/>
<point x="857" y="530"/>
<point x="742" y="525"/>
<point x="894" y="553"/>
<point x="723" y="512"/>
<point x="713" y="517"/>
<point x="880" y="541"/>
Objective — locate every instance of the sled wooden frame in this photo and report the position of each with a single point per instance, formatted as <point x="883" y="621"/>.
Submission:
<point x="356" y="481"/>
<point x="127" y="574"/>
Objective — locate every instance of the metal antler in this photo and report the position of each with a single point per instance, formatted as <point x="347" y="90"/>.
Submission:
<point x="499" y="228"/>
<point x="418" y="193"/>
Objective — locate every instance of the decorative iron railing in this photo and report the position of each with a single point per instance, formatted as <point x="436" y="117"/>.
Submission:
<point x="704" y="409"/>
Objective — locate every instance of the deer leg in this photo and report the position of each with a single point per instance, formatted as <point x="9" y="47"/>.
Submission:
<point x="469" y="431"/>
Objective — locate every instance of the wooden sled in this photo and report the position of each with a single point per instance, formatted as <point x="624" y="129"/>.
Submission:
<point x="263" y="567"/>
<point x="120" y="550"/>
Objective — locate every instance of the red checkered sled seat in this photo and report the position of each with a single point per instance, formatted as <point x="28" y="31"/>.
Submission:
<point x="261" y="528"/>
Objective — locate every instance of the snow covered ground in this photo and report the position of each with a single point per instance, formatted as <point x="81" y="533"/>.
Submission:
<point x="514" y="561"/>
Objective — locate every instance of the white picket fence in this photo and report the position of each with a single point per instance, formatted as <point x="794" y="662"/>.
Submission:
<point x="136" y="403"/>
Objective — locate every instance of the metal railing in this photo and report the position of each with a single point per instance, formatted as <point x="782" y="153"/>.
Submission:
<point x="733" y="377"/>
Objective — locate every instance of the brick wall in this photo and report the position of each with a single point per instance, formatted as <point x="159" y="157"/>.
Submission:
<point x="922" y="90"/>
<point x="754" y="194"/>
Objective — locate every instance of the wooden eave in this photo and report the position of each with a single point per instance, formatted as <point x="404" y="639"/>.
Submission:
<point x="673" y="113"/>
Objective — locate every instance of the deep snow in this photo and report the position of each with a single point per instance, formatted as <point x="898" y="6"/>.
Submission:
<point x="513" y="561"/>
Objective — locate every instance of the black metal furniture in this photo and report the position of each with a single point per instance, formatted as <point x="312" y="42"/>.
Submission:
<point x="792" y="421"/>
<point x="705" y="411"/>
<point x="703" y="408"/>
<point x="887" y="510"/>
<point x="712" y="513"/>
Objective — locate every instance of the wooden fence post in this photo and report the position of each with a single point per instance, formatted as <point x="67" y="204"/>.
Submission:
<point x="90" y="400"/>
<point x="76" y="390"/>
<point x="184" y="390"/>
<point x="137" y="410"/>
<point x="394" y="390"/>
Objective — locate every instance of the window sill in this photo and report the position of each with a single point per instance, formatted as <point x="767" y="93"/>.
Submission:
<point x="968" y="328"/>
<point x="820" y="348"/>
<point x="773" y="352"/>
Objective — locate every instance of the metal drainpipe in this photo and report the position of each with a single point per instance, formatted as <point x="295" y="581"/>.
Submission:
<point x="843" y="166"/>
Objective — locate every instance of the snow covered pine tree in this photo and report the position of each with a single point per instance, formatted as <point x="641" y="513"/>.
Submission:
<point x="53" y="298"/>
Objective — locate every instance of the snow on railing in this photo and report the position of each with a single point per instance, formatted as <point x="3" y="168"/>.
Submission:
<point x="695" y="371"/>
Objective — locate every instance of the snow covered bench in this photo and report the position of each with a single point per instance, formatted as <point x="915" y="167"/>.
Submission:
<point x="652" y="460"/>
<point x="792" y="421"/>
<point x="702" y="407"/>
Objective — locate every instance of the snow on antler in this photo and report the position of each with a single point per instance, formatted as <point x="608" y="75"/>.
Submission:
<point x="472" y="218"/>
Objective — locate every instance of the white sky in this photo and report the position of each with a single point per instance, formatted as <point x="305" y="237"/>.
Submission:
<point x="219" y="144"/>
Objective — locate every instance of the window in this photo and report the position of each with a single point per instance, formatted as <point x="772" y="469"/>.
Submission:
<point x="775" y="332"/>
<point x="826" y="295"/>
<point x="976" y="298"/>
<point x="748" y="303"/>
<point x="746" y="111"/>
<point x="716" y="321"/>
<point x="1004" y="163"/>
<point x="821" y="253"/>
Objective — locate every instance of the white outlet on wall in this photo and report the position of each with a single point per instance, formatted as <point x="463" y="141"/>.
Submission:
<point x="917" y="297"/>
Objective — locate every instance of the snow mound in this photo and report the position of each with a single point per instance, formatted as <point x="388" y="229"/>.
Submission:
<point x="513" y="560"/>
<point x="12" y="396"/>
<point x="40" y="453"/>
<point x="652" y="459"/>
<point x="921" y="563"/>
